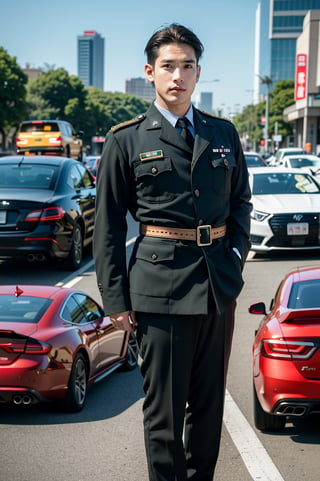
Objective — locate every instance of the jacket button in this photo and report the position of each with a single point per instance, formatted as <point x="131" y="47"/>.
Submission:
<point x="154" y="170"/>
<point x="197" y="192"/>
<point x="154" y="257"/>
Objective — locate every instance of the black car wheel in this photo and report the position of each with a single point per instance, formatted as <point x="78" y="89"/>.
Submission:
<point x="132" y="353"/>
<point x="265" y="421"/>
<point x="74" y="259"/>
<point x="78" y="384"/>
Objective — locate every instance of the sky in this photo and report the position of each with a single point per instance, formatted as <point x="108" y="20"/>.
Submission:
<point x="45" y="34"/>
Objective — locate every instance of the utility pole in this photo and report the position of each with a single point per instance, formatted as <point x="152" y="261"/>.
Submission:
<point x="267" y="82"/>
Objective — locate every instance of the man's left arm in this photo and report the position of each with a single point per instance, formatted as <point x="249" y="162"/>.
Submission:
<point x="240" y="205"/>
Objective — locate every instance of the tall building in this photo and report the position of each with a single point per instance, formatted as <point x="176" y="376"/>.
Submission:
<point x="206" y="101"/>
<point x="140" y="87"/>
<point x="304" y="114"/>
<point x="278" y="25"/>
<point x="91" y="59"/>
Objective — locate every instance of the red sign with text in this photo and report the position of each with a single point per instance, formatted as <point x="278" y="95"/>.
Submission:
<point x="301" y="77"/>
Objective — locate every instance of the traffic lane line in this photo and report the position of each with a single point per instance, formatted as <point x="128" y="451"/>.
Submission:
<point x="255" y="457"/>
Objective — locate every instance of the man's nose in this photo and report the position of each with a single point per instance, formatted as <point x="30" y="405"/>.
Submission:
<point x="177" y="74"/>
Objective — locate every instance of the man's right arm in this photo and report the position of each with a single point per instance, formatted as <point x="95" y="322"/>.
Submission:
<point x="109" y="240"/>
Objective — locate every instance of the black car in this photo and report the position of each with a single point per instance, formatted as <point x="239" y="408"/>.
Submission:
<point x="47" y="209"/>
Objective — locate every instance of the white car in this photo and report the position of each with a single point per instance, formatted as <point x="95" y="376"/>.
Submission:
<point x="286" y="209"/>
<point x="308" y="162"/>
<point x="283" y="152"/>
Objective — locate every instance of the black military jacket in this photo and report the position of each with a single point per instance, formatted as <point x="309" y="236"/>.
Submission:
<point x="149" y="170"/>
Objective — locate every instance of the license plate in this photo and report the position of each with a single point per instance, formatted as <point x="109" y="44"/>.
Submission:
<point x="3" y="216"/>
<point x="298" y="228"/>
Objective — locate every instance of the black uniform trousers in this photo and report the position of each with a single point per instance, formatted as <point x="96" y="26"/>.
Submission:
<point x="184" y="366"/>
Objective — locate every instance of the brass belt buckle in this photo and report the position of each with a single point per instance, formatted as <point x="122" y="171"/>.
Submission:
<point x="204" y="235"/>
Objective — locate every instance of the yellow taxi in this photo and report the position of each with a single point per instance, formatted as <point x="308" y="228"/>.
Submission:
<point x="56" y="137"/>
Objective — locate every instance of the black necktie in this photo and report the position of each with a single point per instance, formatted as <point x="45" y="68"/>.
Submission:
<point x="183" y="124"/>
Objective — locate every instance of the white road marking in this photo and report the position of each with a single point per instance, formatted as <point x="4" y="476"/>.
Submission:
<point x="254" y="455"/>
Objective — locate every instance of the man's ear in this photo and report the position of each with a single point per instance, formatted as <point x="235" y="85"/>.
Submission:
<point x="148" y="69"/>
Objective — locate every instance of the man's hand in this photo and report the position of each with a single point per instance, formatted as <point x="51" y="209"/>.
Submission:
<point x="124" y="321"/>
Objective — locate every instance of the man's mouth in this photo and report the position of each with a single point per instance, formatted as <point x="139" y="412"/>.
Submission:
<point x="177" y="89"/>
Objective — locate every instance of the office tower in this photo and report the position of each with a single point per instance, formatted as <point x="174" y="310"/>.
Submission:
<point x="91" y="59"/>
<point x="140" y="87"/>
<point x="206" y="100"/>
<point x="278" y="25"/>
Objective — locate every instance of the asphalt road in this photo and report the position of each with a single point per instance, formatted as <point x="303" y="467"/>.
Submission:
<point x="104" y="442"/>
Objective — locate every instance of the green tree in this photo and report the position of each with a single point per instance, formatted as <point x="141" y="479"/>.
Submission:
<point x="281" y="97"/>
<point x="249" y="122"/>
<point x="12" y="94"/>
<point x="63" y="96"/>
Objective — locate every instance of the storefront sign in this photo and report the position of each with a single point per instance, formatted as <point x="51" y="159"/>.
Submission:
<point x="301" y="77"/>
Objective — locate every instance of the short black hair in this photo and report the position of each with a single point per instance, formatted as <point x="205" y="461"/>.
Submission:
<point x="174" y="33"/>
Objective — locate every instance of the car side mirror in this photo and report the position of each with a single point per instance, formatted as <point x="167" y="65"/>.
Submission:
<point x="258" y="308"/>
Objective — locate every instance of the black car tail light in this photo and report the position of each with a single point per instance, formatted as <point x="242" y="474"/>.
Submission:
<point x="43" y="215"/>
<point x="288" y="349"/>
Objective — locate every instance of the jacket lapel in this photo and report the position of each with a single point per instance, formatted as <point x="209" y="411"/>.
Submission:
<point x="167" y="133"/>
<point x="204" y="134"/>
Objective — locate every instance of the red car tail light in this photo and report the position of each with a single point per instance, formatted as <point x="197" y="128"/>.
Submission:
<point x="31" y="346"/>
<point x="51" y="213"/>
<point x="55" y="140"/>
<point x="288" y="349"/>
<point x="21" y="141"/>
<point x="36" y="347"/>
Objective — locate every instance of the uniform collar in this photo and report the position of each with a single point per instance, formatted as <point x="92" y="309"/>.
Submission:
<point x="172" y="118"/>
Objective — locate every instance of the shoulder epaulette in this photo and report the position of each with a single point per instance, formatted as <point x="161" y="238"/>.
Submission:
<point x="127" y="123"/>
<point x="215" y="116"/>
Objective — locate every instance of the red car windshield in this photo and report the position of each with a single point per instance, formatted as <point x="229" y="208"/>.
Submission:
<point x="22" y="309"/>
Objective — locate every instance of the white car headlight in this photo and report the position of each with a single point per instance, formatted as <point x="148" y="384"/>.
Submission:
<point x="258" y="215"/>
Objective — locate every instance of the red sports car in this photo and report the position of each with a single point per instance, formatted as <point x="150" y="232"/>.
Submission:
<point x="54" y="343"/>
<point x="286" y="351"/>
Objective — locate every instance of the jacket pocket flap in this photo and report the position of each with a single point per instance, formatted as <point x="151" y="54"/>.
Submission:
<point x="156" y="252"/>
<point x="227" y="162"/>
<point x="152" y="167"/>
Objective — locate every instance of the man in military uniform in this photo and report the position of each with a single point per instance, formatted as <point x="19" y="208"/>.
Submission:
<point x="185" y="272"/>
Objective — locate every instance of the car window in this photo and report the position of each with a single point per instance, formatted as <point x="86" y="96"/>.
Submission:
<point x="89" y="306"/>
<point x="283" y="183"/>
<point x="28" y="176"/>
<point x="75" y="178"/>
<point x="86" y="178"/>
<point x="72" y="312"/>
<point x="63" y="129"/>
<point x="26" y="309"/>
<point x="253" y="160"/>
<point x="39" y="126"/>
<point x="305" y="295"/>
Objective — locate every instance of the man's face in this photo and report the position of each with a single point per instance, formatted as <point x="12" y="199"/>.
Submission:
<point x="175" y="74"/>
